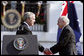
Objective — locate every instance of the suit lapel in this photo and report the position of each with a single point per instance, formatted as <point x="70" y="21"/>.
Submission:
<point x="62" y="32"/>
<point x="26" y="28"/>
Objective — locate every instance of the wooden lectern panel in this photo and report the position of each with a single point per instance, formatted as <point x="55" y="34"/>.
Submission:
<point x="9" y="49"/>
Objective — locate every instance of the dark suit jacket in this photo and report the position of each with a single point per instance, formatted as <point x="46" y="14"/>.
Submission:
<point x="66" y="44"/>
<point x="23" y="29"/>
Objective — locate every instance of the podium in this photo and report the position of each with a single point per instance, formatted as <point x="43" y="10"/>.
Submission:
<point x="30" y="46"/>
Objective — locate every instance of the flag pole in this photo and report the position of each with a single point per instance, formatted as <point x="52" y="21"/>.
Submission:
<point x="39" y="8"/>
<point x="23" y="7"/>
<point x="4" y="6"/>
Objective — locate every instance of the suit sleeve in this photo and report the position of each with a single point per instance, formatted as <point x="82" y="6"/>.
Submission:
<point x="41" y="48"/>
<point x="62" y="42"/>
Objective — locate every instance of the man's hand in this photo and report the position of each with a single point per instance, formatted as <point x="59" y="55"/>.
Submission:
<point x="47" y="52"/>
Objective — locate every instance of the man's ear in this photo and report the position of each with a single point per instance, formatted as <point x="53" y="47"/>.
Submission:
<point x="64" y="22"/>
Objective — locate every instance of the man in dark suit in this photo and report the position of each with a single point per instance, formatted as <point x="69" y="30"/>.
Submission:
<point x="67" y="43"/>
<point x="29" y="19"/>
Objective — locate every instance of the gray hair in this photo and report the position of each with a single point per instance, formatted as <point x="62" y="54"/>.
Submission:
<point x="65" y="19"/>
<point x="28" y="15"/>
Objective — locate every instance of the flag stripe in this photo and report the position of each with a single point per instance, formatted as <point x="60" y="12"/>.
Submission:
<point x="64" y="13"/>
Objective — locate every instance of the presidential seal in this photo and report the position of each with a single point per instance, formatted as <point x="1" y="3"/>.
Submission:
<point x="20" y="43"/>
<point x="12" y="19"/>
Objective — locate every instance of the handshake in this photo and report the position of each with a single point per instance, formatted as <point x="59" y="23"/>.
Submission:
<point x="47" y="52"/>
